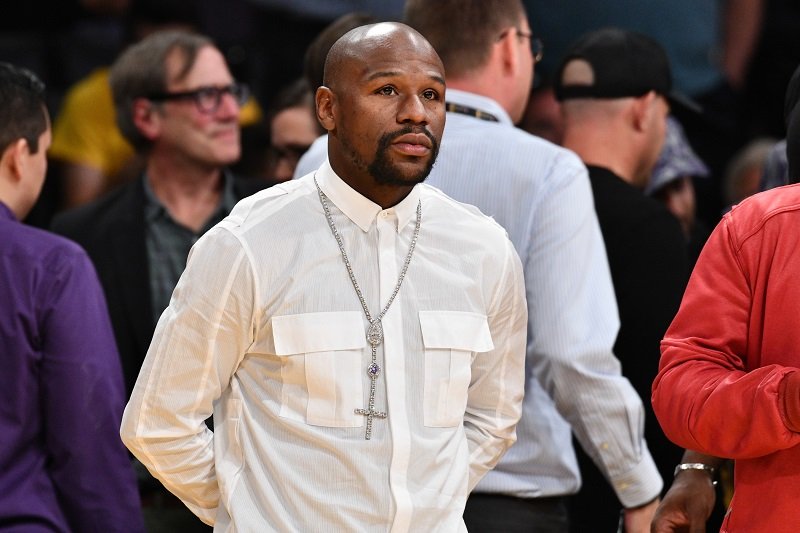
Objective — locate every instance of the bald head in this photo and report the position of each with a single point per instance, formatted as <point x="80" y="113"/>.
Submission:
<point x="362" y="45"/>
<point x="383" y="107"/>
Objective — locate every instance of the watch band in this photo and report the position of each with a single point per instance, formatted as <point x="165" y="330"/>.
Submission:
<point x="696" y="466"/>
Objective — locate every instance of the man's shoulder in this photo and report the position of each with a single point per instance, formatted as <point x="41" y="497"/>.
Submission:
<point x="625" y="209"/>
<point x="469" y="216"/>
<point x="35" y="247"/>
<point x="611" y="191"/>
<point x="757" y="209"/>
<point x="769" y="215"/>
<point x="97" y="216"/>
<point x="514" y="153"/>
<point x="266" y="203"/>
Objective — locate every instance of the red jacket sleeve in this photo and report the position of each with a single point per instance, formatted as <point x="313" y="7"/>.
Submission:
<point x="708" y="396"/>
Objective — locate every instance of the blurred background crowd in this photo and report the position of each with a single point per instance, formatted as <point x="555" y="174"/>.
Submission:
<point x="734" y="58"/>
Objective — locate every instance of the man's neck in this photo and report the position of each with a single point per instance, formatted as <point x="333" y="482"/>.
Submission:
<point x="364" y="184"/>
<point x="488" y="82"/>
<point x="601" y="151"/>
<point x="482" y="86"/>
<point x="8" y="198"/>
<point x="190" y="194"/>
<point x="385" y="196"/>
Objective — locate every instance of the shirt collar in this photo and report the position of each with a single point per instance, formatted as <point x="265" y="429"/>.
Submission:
<point x="476" y="101"/>
<point x="361" y="210"/>
<point x="6" y="212"/>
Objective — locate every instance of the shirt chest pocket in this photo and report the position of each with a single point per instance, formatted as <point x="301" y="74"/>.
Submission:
<point x="451" y="339"/>
<point x="321" y="364"/>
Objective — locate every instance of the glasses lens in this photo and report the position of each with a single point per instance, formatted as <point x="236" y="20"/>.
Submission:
<point x="208" y="99"/>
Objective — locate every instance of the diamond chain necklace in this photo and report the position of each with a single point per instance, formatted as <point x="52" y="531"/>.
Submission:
<point x="375" y="330"/>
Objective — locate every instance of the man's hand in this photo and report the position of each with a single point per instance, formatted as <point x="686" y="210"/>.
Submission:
<point x="687" y="504"/>
<point x="638" y="520"/>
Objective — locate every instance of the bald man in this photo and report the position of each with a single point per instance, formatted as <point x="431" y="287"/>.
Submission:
<point x="358" y="337"/>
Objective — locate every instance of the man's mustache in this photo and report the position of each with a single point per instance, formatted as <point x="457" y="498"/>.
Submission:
<point x="387" y="139"/>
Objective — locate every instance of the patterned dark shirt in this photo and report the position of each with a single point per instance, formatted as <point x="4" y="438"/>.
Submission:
<point x="168" y="242"/>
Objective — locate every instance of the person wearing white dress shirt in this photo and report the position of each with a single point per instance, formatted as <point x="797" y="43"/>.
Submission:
<point x="358" y="336"/>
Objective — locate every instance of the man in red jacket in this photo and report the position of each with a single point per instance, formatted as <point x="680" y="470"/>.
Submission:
<point x="729" y="379"/>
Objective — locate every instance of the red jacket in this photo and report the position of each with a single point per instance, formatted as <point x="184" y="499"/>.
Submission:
<point x="728" y="383"/>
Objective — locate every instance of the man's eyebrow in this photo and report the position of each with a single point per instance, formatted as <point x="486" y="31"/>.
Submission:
<point x="392" y="73"/>
<point x="438" y="79"/>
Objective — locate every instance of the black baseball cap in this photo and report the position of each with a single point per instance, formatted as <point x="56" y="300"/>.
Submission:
<point x="618" y="63"/>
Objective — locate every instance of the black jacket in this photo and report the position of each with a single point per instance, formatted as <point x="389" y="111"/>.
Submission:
<point x="112" y="231"/>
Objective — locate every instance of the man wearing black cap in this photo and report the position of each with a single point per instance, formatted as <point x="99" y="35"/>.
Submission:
<point x="614" y="86"/>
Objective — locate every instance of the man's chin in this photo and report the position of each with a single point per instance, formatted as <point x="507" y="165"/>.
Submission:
<point x="400" y="180"/>
<point x="400" y="175"/>
<point x="226" y="158"/>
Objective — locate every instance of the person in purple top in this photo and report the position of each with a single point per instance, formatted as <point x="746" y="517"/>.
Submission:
<point x="62" y="464"/>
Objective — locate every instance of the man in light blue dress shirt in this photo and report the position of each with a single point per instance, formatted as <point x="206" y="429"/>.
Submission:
<point x="541" y="194"/>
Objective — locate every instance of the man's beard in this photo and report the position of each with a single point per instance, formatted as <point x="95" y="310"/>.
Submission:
<point x="382" y="170"/>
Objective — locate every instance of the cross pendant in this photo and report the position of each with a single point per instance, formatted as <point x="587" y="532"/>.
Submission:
<point x="370" y="414"/>
<point x="373" y="371"/>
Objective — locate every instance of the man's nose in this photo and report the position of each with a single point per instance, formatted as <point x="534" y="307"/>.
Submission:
<point x="413" y="110"/>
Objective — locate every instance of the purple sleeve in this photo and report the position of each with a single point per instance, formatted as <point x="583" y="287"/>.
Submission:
<point x="82" y="401"/>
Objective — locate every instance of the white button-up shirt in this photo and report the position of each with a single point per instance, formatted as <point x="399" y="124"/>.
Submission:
<point x="541" y="195"/>
<point x="265" y="332"/>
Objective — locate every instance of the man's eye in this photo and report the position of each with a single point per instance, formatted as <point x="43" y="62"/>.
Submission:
<point x="387" y="91"/>
<point x="430" y="94"/>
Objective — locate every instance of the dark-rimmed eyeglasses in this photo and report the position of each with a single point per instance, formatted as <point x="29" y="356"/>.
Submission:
<point x="537" y="46"/>
<point x="207" y="99"/>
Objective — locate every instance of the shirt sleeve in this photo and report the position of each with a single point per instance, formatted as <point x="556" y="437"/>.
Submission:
<point x="703" y="378"/>
<point x="494" y="403"/>
<point x="572" y="329"/>
<point x="82" y="398"/>
<point x="199" y="342"/>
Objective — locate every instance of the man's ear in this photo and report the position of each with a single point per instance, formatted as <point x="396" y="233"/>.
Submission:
<point x="325" y="101"/>
<point x="508" y="50"/>
<point x="15" y="159"/>
<point x="146" y="118"/>
<point x="642" y="110"/>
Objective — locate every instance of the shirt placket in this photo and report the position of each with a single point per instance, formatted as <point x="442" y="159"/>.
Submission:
<point x="389" y="250"/>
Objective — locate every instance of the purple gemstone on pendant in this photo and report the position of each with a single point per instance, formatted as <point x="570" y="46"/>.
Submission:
<point x="373" y="370"/>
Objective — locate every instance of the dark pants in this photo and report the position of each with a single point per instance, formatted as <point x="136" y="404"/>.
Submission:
<point x="495" y="513"/>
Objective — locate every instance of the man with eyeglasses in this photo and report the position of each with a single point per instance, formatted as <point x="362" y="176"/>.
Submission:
<point x="178" y="105"/>
<point x="540" y="194"/>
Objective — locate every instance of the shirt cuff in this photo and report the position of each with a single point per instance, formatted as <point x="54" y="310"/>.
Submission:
<point x="789" y="400"/>
<point x="640" y="485"/>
